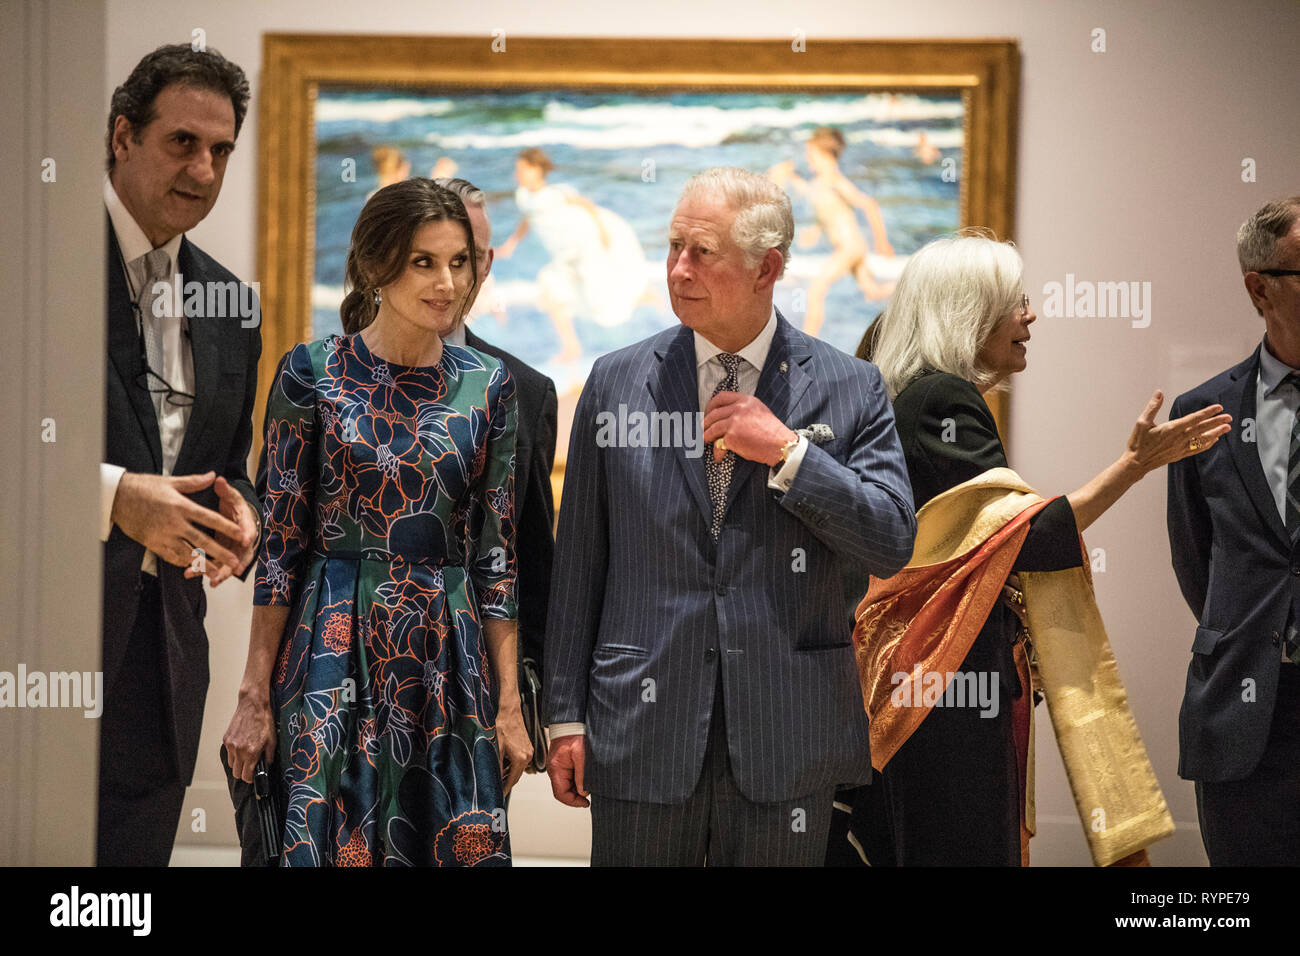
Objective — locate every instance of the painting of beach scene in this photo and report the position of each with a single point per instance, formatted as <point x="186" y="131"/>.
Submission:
<point x="581" y="187"/>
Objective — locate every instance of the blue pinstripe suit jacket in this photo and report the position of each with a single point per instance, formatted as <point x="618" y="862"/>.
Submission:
<point x="646" y="606"/>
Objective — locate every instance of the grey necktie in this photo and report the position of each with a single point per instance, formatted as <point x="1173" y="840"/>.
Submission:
<point x="718" y="473"/>
<point x="155" y="271"/>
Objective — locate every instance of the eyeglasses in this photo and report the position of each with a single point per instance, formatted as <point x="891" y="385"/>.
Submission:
<point x="1278" y="272"/>
<point x="1024" y="305"/>
<point x="150" y="380"/>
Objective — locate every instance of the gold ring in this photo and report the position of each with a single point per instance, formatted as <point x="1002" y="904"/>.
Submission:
<point x="1193" y="445"/>
<point x="721" y="445"/>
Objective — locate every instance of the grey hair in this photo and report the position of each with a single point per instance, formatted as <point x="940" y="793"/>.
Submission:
<point x="469" y="194"/>
<point x="952" y="295"/>
<point x="1257" y="238"/>
<point x="764" y="219"/>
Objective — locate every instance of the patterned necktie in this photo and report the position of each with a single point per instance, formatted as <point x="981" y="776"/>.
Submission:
<point x="155" y="271"/>
<point x="718" y="473"/>
<point x="1292" y="649"/>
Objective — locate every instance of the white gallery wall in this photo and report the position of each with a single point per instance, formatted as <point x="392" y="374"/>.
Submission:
<point x="52" y="429"/>
<point x="1130" y="169"/>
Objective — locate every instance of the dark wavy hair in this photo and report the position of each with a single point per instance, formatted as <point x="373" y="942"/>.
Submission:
<point x="382" y="240"/>
<point x="177" y="63"/>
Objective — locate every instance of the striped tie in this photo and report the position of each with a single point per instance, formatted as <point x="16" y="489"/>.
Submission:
<point x="1292" y="639"/>
<point x="1293" y="467"/>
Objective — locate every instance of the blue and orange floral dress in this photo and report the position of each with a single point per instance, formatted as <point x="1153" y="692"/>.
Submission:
<point x="387" y="510"/>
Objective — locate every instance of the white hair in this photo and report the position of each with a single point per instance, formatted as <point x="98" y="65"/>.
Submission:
<point x="764" y="219"/>
<point x="952" y="295"/>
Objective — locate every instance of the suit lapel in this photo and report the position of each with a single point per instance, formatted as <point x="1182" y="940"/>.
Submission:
<point x="675" y="388"/>
<point x="1240" y="398"/>
<point x="205" y="344"/>
<point x="781" y="385"/>
<point x="124" y="349"/>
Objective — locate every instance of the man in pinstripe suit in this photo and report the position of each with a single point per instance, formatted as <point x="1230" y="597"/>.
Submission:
<point x="701" y="681"/>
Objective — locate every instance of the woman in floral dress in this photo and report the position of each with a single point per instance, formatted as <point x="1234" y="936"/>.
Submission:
<point x="381" y="665"/>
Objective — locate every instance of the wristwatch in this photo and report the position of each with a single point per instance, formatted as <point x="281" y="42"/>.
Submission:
<point x="789" y="447"/>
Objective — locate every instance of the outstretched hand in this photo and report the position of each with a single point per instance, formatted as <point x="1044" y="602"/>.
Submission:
<point x="1152" y="446"/>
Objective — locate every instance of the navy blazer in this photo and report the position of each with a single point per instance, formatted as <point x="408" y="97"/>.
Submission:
<point x="217" y="438"/>
<point x="1240" y="575"/>
<point x="646" y="606"/>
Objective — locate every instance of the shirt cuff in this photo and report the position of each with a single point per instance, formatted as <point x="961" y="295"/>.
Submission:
<point x="566" y="730"/>
<point x="109" y="476"/>
<point x="782" y="480"/>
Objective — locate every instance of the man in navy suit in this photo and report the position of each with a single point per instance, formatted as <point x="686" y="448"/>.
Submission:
<point x="700" y="676"/>
<point x="1234" y="532"/>
<point x="182" y="376"/>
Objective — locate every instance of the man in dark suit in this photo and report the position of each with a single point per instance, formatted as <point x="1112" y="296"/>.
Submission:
<point x="1234" y="532"/>
<point x="183" y="347"/>
<point x="534" y="457"/>
<point x="700" y="677"/>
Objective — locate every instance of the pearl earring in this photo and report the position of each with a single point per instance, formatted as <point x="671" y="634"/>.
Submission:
<point x="379" y="297"/>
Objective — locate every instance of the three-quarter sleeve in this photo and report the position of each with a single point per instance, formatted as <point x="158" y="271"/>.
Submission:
<point x="493" y="566"/>
<point x="288" y="481"/>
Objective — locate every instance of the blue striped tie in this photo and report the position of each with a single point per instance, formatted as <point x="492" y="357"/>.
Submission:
<point x="1292" y="649"/>
<point x="1293" y="467"/>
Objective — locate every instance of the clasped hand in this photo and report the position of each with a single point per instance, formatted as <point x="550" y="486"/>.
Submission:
<point x="154" y="510"/>
<point x="747" y="426"/>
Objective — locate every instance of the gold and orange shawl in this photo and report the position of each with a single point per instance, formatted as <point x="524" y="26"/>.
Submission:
<point x="924" y="620"/>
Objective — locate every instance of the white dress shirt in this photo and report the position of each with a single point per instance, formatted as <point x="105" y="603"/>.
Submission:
<point x="709" y="372"/>
<point x="456" y="337"/>
<point x="1275" y="411"/>
<point x="178" y="358"/>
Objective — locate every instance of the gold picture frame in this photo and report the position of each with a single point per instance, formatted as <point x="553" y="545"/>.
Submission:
<point x="295" y="67"/>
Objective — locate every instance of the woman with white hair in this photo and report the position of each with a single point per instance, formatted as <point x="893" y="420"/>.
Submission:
<point x="942" y="647"/>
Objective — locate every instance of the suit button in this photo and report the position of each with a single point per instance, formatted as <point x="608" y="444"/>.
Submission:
<point x="710" y="654"/>
<point x="722" y="590"/>
<point x="1296" y="571"/>
<point x="1277" y="639"/>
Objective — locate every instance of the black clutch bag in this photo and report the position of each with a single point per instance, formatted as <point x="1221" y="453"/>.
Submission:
<point x="530" y="694"/>
<point x="257" y="815"/>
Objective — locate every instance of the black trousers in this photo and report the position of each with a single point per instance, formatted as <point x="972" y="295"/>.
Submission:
<point x="1256" y="821"/>
<point x="950" y="796"/>
<point x="140" y="793"/>
<point x="716" y="826"/>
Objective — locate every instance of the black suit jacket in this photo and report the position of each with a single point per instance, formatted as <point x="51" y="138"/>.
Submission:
<point x="217" y="438"/>
<point x="1240" y="574"/>
<point x="949" y="437"/>
<point x="534" y="502"/>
